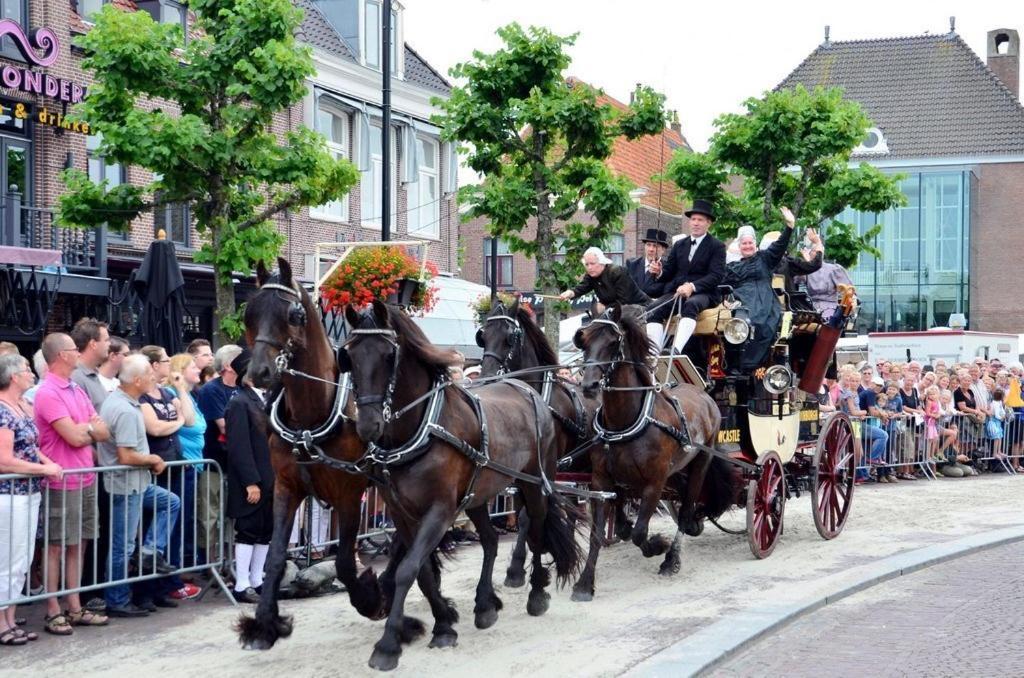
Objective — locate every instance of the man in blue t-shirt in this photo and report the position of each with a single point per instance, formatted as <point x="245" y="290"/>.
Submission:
<point x="875" y="437"/>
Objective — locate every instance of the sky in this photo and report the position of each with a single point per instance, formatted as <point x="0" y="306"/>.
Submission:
<point x="707" y="57"/>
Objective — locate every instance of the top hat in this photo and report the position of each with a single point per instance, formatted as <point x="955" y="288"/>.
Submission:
<point x="702" y="207"/>
<point x="657" y="236"/>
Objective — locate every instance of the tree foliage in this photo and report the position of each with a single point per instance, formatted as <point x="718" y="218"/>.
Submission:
<point x="791" y="147"/>
<point x="198" y="115"/>
<point x="541" y="141"/>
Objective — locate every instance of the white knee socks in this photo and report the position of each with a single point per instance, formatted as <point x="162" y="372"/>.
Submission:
<point x="656" y="333"/>
<point x="243" y="565"/>
<point x="259" y="560"/>
<point x="683" y="333"/>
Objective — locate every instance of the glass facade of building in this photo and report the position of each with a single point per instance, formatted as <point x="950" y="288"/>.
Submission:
<point x="922" y="275"/>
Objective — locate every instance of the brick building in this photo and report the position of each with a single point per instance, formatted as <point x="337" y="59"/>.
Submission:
<point x="659" y="206"/>
<point x="42" y="81"/>
<point x="954" y="126"/>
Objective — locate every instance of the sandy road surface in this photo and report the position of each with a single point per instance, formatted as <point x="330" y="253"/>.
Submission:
<point x="635" y="613"/>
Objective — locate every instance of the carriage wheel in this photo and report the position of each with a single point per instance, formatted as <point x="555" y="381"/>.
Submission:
<point x="766" y="502"/>
<point x="832" y="476"/>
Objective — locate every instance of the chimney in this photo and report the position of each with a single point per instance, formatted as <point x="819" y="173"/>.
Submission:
<point x="1004" y="57"/>
<point x="674" y="122"/>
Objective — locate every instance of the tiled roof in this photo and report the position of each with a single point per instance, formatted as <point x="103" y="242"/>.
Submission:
<point x="930" y="95"/>
<point x="421" y="73"/>
<point x="318" y="32"/>
<point x="641" y="159"/>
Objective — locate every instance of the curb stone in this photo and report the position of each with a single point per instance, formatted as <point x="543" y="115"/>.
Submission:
<point x="704" y="650"/>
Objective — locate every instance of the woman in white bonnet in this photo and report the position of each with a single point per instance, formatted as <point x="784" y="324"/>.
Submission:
<point x="751" y="280"/>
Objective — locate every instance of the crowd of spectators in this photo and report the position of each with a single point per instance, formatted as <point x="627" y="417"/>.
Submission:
<point x="954" y="419"/>
<point x="93" y="402"/>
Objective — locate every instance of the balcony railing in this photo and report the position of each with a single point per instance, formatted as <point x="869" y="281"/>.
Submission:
<point x="82" y="252"/>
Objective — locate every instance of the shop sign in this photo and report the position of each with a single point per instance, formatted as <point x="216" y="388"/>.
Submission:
<point x="34" y="82"/>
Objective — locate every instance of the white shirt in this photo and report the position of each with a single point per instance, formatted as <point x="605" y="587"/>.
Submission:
<point x="695" y="243"/>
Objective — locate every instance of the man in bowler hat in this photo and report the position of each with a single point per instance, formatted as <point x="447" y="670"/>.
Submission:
<point x="655" y="246"/>
<point x="693" y="270"/>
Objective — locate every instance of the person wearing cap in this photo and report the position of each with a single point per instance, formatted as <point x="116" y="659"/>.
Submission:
<point x="250" y="482"/>
<point x="875" y="437"/>
<point x="693" y="270"/>
<point x="751" y="280"/>
<point x="611" y="284"/>
<point x="655" y="246"/>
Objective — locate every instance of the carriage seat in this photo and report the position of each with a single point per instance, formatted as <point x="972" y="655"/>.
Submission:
<point x="710" y="321"/>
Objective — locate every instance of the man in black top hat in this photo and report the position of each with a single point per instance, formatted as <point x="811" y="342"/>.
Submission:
<point x="655" y="246"/>
<point x="693" y="270"/>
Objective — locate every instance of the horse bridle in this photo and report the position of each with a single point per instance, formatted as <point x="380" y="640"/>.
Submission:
<point x="516" y="343"/>
<point x="607" y="367"/>
<point x="385" y="399"/>
<point x="296" y="318"/>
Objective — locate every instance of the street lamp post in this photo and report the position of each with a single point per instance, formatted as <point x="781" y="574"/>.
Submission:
<point x="385" y="135"/>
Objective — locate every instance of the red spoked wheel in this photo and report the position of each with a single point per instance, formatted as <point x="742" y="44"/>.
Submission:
<point x="766" y="503"/>
<point x="832" y="476"/>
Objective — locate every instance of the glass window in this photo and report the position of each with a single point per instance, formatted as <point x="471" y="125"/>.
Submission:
<point x="86" y="8"/>
<point x="372" y="185"/>
<point x="394" y="42"/>
<point x="371" y="34"/>
<point x="101" y="169"/>
<point x="942" y="209"/>
<point x="424" y="195"/>
<point x="333" y="124"/>
<point x="15" y="11"/>
<point x="505" y="261"/>
<point x="615" y="248"/>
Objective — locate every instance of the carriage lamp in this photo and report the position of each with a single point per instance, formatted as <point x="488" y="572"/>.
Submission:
<point x="777" y="379"/>
<point x="737" y="330"/>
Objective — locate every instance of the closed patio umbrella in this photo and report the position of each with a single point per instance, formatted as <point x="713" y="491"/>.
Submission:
<point x="161" y="288"/>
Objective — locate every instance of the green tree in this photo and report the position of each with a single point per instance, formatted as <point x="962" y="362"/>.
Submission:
<point x="215" y="150"/>
<point x="791" y="147"/>
<point x="541" y="143"/>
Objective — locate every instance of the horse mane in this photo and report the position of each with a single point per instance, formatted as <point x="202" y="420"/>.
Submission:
<point x="637" y="346"/>
<point x="535" y="336"/>
<point x="437" y="360"/>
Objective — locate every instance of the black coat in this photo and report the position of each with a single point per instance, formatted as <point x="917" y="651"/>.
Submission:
<point x="647" y="283"/>
<point x="792" y="266"/>
<point x="613" y="286"/>
<point x="248" y="452"/>
<point x="706" y="271"/>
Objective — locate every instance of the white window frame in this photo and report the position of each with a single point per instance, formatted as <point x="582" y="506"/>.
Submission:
<point x="397" y="37"/>
<point x="367" y="179"/>
<point x="336" y="210"/>
<point x="427" y="208"/>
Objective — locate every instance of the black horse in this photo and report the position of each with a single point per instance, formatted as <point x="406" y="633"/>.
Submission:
<point x="436" y="448"/>
<point x="649" y="449"/>
<point x="512" y="341"/>
<point x="283" y="323"/>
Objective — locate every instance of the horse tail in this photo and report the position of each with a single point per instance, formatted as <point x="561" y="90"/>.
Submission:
<point x="561" y="522"/>
<point x="720" y="487"/>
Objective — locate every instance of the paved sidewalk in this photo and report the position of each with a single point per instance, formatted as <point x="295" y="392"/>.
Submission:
<point x="960" y="618"/>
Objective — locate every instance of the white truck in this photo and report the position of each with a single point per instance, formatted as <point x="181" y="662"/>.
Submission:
<point x="953" y="346"/>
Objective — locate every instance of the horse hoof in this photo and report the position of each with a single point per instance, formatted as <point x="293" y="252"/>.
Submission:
<point x="538" y="604"/>
<point x="486" y="619"/>
<point x="582" y="596"/>
<point x="668" y="569"/>
<point x="383" y="661"/>
<point x="515" y="580"/>
<point x="444" y="640"/>
<point x="257" y="644"/>
<point x="694" y="529"/>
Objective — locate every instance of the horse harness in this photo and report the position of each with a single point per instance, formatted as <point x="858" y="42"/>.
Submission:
<point x="379" y="458"/>
<point x="646" y="416"/>
<point x="515" y="343"/>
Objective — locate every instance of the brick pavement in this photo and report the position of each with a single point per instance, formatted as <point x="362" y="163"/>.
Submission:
<point x="960" y="618"/>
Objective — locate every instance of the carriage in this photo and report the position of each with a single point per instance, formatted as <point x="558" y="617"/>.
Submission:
<point x="772" y="431"/>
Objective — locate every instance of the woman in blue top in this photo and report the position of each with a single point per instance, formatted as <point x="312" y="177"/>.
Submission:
<point x="184" y="376"/>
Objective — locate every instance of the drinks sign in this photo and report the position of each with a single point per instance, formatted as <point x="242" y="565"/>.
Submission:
<point x="34" y="82"/>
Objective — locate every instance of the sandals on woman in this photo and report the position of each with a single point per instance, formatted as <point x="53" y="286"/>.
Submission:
<point x="84" y="617"/>
<point x="58" y="625"/>
<point x="11" y="637"/>
<point x="27" y="635"/>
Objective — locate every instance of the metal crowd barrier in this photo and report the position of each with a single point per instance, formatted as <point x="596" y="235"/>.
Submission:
<point x="315" y="531"/>
<point x="907" y="448"/>
<point x="43" y="519"/>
